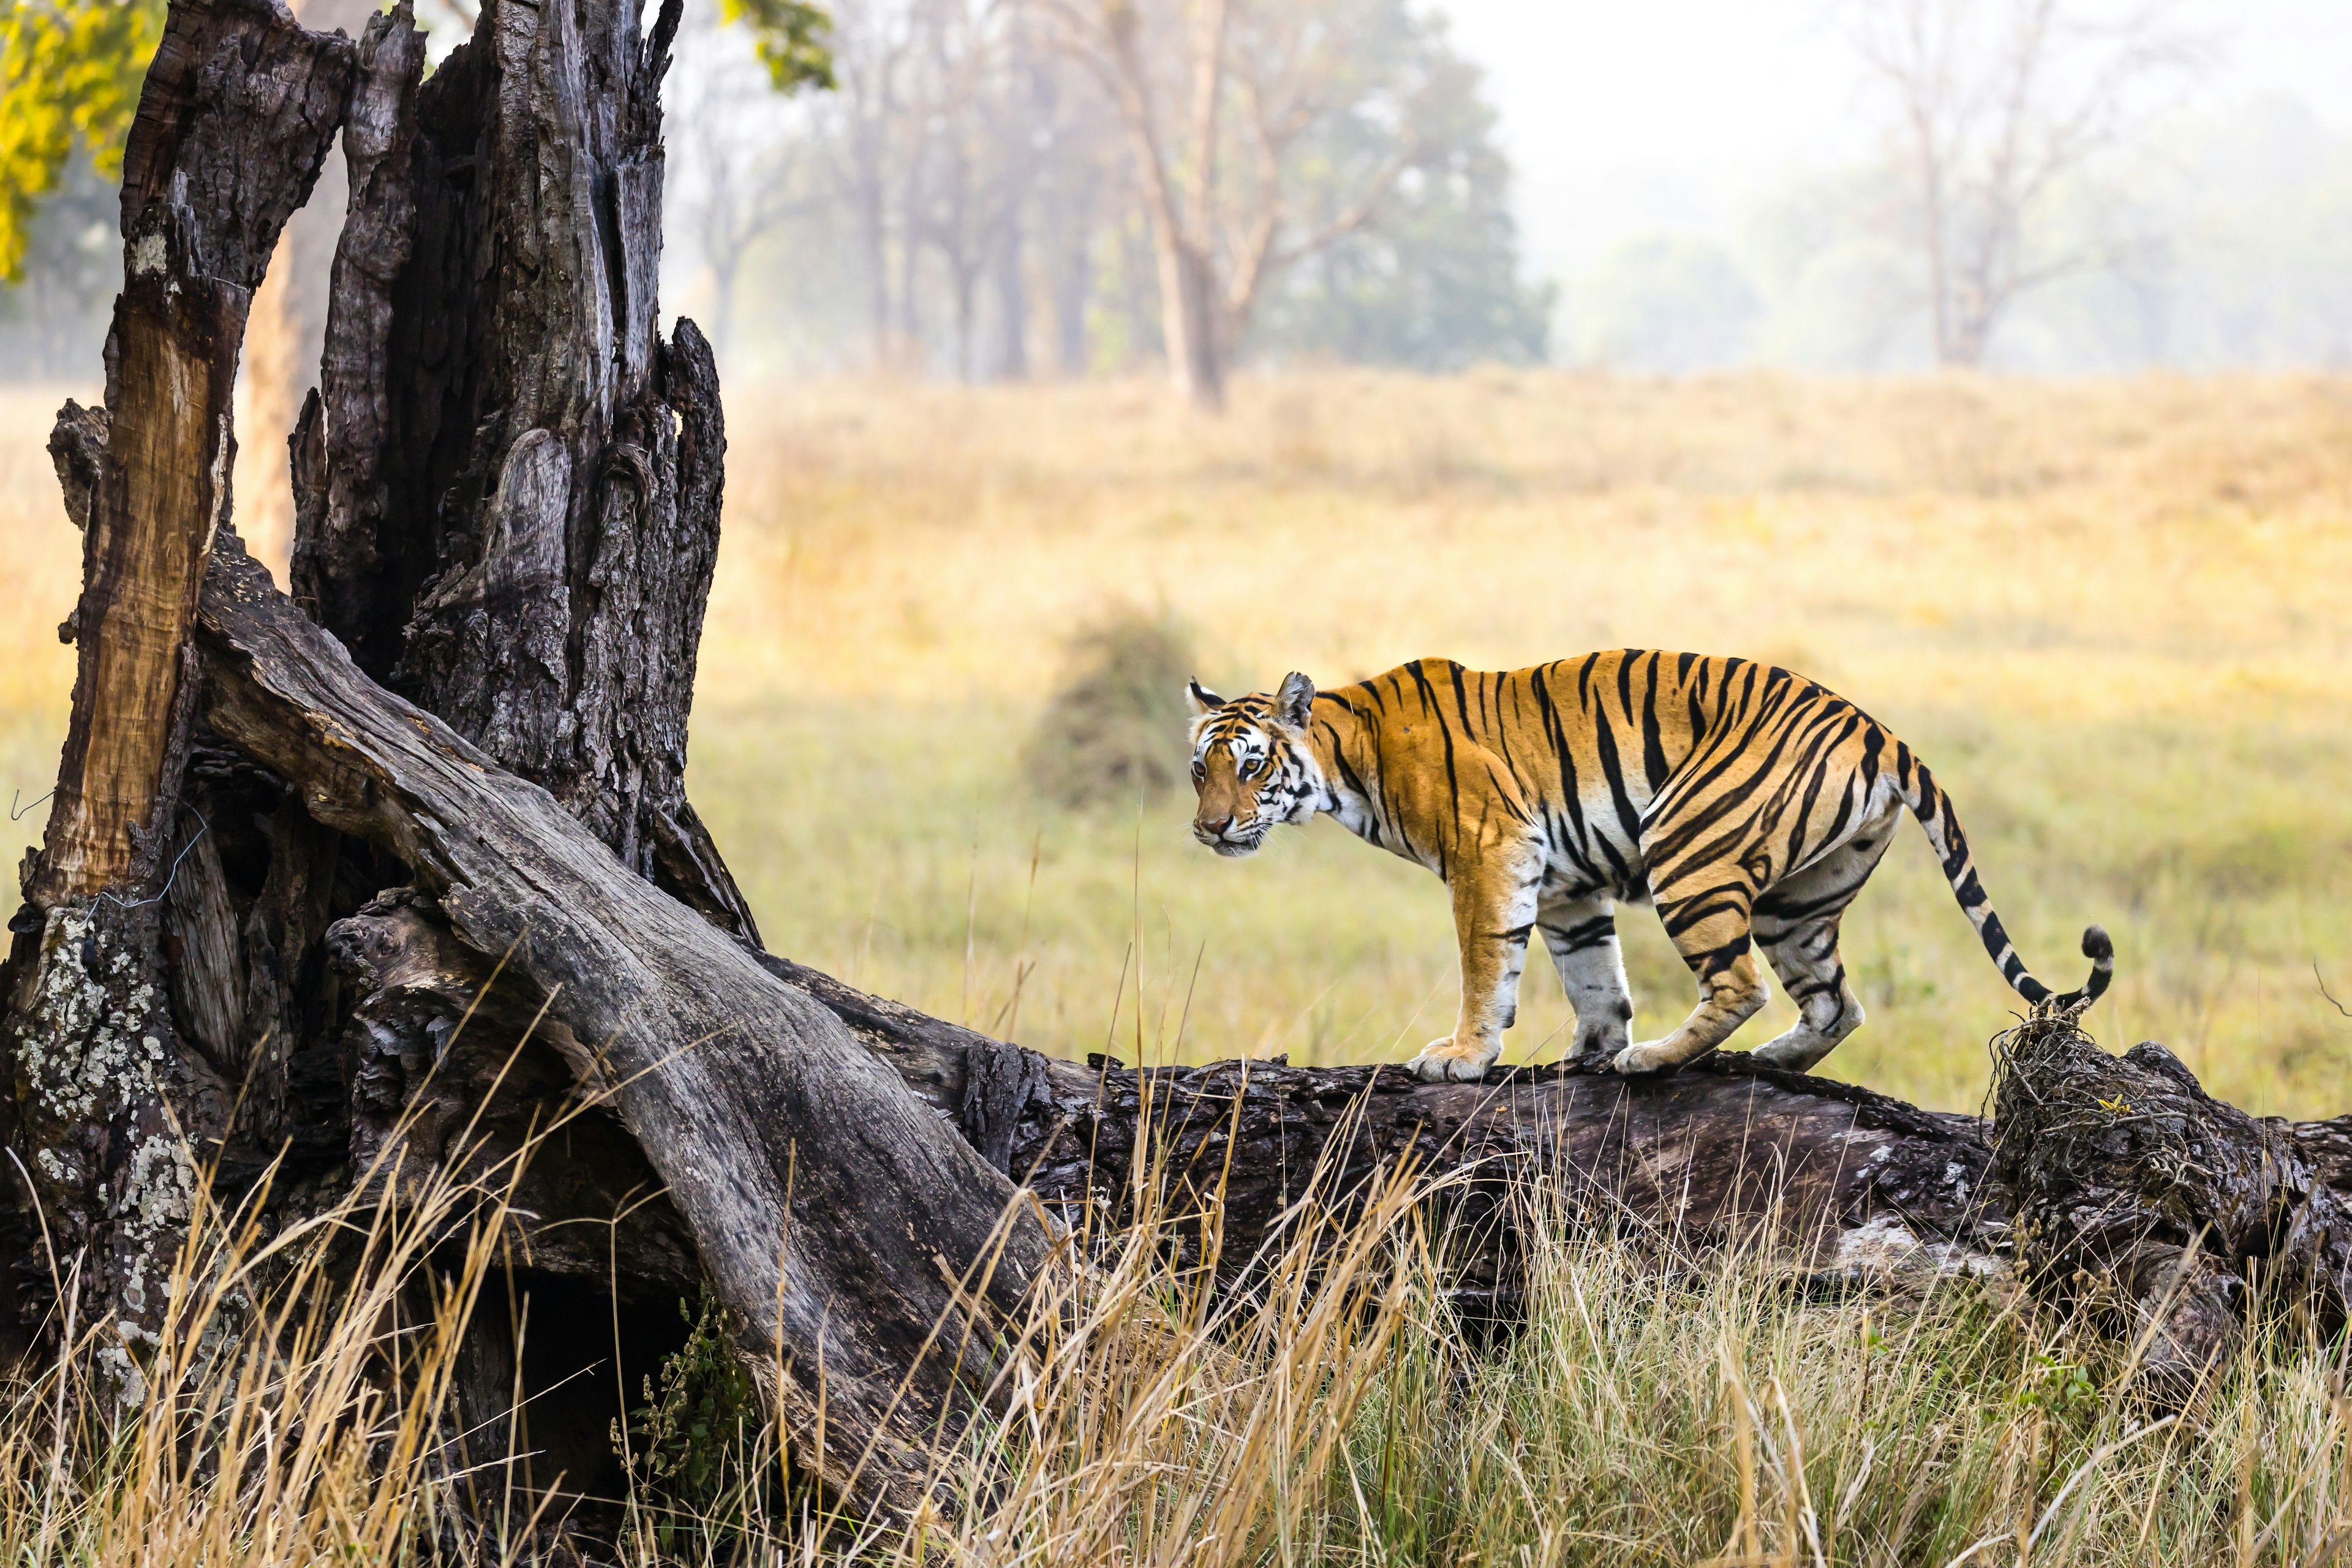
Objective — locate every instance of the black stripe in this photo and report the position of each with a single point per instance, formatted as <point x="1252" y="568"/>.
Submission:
<point x="1996" y="940"/>
<point x="1429" y="701"/>
<point x="1605" y="742"/>
<point x="1571" y="804"/>
<point x="1598" y="931"/>
<point x="1777" y="906"/>
<point x="1700" y="908"/>
<point x="1654" y="751"/>
<point x="1715" y="961"/>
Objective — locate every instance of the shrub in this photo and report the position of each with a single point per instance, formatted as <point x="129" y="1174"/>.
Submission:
<point x="1114" y="729"/>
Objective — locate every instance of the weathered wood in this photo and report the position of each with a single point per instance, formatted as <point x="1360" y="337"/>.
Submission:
<point x="834" y="1217"/>
<point x="2114" y="1185"/>
<point x="235" y="120"/>
<point x="340" y="487"/>
<point x="507" y="506"/>
<point x="1846" y="1180"/>
<point x="2155" y="1207"/>
<point x="518" y="509"/>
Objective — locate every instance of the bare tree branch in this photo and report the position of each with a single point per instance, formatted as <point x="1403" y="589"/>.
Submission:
<point x="2002" y="103"/>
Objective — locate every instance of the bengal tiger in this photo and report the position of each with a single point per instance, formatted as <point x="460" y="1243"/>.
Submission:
<point x="1748" y="803"/>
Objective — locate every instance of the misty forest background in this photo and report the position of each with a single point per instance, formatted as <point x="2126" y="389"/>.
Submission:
<point x="1890" y="421"/>
<point x="967" y="204"/>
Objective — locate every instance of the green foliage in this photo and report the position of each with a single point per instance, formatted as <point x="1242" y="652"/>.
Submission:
<point x="2059" y="1386"/>
<point x="1116" y="729"/>
<point x="70" y="78"/>
<point x="693" y="1447"/>
<point x="795" y="39"/>
<point x="1432" y="280"/>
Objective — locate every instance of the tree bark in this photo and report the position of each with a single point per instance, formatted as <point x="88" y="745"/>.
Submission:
<point x="233" y="124"/>
<point x="522" y="481"/>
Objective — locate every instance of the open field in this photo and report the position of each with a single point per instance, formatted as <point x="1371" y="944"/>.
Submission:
<point x="2112" y="615"/>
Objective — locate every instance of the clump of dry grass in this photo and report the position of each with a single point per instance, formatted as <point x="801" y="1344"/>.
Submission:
<point x="1114" y="730"/>
<point x="296" y="1407"/>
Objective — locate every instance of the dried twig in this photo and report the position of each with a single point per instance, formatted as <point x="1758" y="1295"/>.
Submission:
<point x="2321" y="981"/>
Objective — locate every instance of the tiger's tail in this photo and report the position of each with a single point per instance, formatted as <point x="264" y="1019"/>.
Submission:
<point x="1933" y="807"/>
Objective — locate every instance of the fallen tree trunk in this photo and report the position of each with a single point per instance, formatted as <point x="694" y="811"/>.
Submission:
<point x="2113" y="1184"/>
<point x="846" y="1233"/>
<point x="1846" y="1177"/>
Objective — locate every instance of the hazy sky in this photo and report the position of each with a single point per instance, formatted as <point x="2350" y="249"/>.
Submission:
<point x="1628" y="116"/>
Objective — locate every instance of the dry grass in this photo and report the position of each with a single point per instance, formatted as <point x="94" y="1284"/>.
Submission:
<point x="2113" y="614"/>
<point x="295" y="1408"/>
<point x="1703" y="1412"/>
<point x="1662" y="1404"/>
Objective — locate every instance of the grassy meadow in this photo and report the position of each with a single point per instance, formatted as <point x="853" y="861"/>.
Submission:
<point x="2116" y="617"/>
<point x="2112" y="615"/>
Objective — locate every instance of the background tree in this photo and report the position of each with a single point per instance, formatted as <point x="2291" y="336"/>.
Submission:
<point x="1999" y="104"/>
<point x="70" y="76"/>
<point x="744" y="169"/>
<point x="1432" y="279"/>
<point x="792" y="40"/>
<point x="1326" y="113"/>
<point x="998" y="218"/>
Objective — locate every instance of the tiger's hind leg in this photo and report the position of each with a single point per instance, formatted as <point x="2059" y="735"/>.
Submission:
<point x="1709" y="927"/>
<point x="1797" y="926"/>
<point x="1581" y="934"/>
<point x="1805" y="957"/>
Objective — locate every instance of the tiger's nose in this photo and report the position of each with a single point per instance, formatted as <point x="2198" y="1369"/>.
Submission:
<point x="1210" y="828"/>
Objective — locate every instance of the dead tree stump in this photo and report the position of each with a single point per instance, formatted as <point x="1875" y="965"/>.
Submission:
<point x="238" y="110"/>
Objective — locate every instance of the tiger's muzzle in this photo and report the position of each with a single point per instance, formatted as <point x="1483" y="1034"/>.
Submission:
<point x="1229" y="837"/>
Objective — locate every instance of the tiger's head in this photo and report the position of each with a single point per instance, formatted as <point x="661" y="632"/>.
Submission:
<point x="1250" y="764"/>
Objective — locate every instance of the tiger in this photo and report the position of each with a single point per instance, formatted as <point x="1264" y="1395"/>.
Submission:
<point x="1746" y="804"/>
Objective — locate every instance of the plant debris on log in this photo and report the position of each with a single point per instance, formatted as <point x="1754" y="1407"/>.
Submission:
<point x="2148" y="1201"/>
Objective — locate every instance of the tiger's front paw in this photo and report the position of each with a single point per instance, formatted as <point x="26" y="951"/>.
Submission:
<point x="1443" y="1061"/>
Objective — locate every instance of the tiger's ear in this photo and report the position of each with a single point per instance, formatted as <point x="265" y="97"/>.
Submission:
<point x="1295" y="700"/>
<point x="1203" y="699"/>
